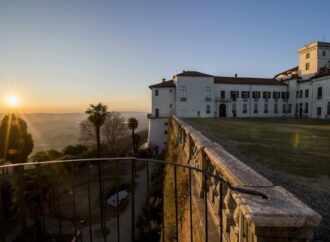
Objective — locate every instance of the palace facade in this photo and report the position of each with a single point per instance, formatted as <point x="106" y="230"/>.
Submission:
<point x="302" y="91"/>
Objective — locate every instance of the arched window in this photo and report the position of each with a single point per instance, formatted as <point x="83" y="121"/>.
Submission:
<point x="328" y="109"/>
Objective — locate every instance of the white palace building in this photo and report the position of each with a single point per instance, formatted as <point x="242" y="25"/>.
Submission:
<point x="303" y="91"/>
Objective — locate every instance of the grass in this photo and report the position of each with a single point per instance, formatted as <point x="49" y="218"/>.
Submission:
<point x="293" y="146"/>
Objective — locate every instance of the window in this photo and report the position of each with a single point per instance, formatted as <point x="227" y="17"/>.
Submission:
<point x="222" y="94"/>
<point x="296" y="111"/>
<point x="171" y="90"/>
<point x="307" y="66"/>
<point x="275" y="107"/>
<point x="290" y="108"/>
<point x="323" y="53"/>
<point x="208" y="109"/>
<point x="266" y="95"/>
<point x="300" y="94"/>
<point x="306" y="93"/>
<point x="318" y="111"/>
<point x="156" y="92"/>
<point x="234" y="95"/>
<point x="308" y="55"/>
<point x="319" y="92"/>
<point x="234" y="109"/>
<point x="183" y="93"/>
<point x="285" y="95"/>
<point x="165" y="132"/>
<point x="297" y="94"/>
<point x="208" y="94"/>
<point x="256" y="95"/>
<point x="266" y="108"/>
<point x="170" y="105"/>
<point x="328" y="111"/>
<point x="283" y="108"/>
<point x="306" y="107"/>
<point x="245" y="94"/>
<point x="166" y="123"/>
<point x="255" y="109"/>
<point x="276" y="95"/>
<point x="157" y="112"/>
<point x="245" y="107"/>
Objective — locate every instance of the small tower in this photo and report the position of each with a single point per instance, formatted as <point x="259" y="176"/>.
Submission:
<point x="313" y="57"/>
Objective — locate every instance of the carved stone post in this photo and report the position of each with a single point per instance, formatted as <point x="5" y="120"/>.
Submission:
<point x="236" y="230"/>
<point x="203" y="162"/>
<point x="188" y="149"/>
<point x="228" y="212"/>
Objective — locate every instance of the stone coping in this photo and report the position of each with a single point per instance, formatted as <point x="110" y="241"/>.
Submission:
<point x="281" y="209"/>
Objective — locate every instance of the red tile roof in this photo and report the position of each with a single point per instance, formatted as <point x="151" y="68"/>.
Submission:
<point x="247" y="80"/>
<point x="323" y="73"/>
<point x="222" y="79"/>
<point x="193" y="73"/>
<point x="164" y="84"/>
<point x="287" y="71"/>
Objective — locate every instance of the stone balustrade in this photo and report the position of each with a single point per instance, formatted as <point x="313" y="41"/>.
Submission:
<point x="244" y="218"/>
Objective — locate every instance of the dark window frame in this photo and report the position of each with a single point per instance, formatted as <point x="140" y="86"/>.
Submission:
<point x="208" y="109"/>
<point x="306" y="93"/>
<point x="266" y="108"/>
<point x="275" y="107"/>
<point x="255" y="108"/>
<point x="222" y="94"/>
<point x="245" y="107"/>
<point x="319" y="92"/>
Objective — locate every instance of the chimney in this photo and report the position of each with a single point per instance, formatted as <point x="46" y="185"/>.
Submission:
<point x="235" y="75"/>
<point x="163" y="80"/>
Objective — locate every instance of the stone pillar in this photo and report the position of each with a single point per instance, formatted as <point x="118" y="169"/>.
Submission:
<point x="228" y="212"/>
<point x="203" y="163"/>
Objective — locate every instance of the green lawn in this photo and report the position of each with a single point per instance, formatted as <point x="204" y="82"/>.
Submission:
<point x="294" y="146"/>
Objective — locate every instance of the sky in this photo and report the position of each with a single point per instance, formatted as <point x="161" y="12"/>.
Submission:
<point x="62" y="55"/>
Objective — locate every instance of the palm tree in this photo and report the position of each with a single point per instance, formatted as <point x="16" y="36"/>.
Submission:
<point x="132" y="125"/>
<point x="97" y="115"/>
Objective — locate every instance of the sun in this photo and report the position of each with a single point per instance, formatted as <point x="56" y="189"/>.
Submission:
<point x="12" y="101"/>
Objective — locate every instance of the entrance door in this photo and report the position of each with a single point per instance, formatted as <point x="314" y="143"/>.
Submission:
<point x="222" y="110"/>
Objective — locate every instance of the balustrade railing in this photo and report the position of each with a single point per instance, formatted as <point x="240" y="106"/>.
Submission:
<point x="276" y="215"/>
<point x="74" y="200"/>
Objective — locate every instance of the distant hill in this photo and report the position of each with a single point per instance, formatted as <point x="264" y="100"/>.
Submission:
<point x="57" y="130"/>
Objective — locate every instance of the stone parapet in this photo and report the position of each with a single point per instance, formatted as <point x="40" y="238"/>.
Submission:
<point x="243" y="217"/>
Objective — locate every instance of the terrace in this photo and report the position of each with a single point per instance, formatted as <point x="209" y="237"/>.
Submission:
<point x="293" y="153"/>
<point x="204" y="193"/>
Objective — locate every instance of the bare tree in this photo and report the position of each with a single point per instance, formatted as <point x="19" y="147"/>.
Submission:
<point x="87" y="132"/>
<point x="114" y="128"/>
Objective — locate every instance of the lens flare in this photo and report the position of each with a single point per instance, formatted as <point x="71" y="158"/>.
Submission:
<point x="12" y="101"/>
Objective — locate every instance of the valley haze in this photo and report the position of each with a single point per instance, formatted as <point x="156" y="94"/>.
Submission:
<point x="57" y="130"/>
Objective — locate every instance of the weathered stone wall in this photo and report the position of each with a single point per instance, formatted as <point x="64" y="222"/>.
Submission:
<point x="244" y="218"/>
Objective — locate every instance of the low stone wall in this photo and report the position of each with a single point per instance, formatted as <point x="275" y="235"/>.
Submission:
<point x="245" y="218"/>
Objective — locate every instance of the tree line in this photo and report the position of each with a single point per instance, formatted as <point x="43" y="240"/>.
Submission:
<point x="102" y="133"/>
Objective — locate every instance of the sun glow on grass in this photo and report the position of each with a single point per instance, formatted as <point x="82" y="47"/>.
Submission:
<point x="12" y="101"/>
